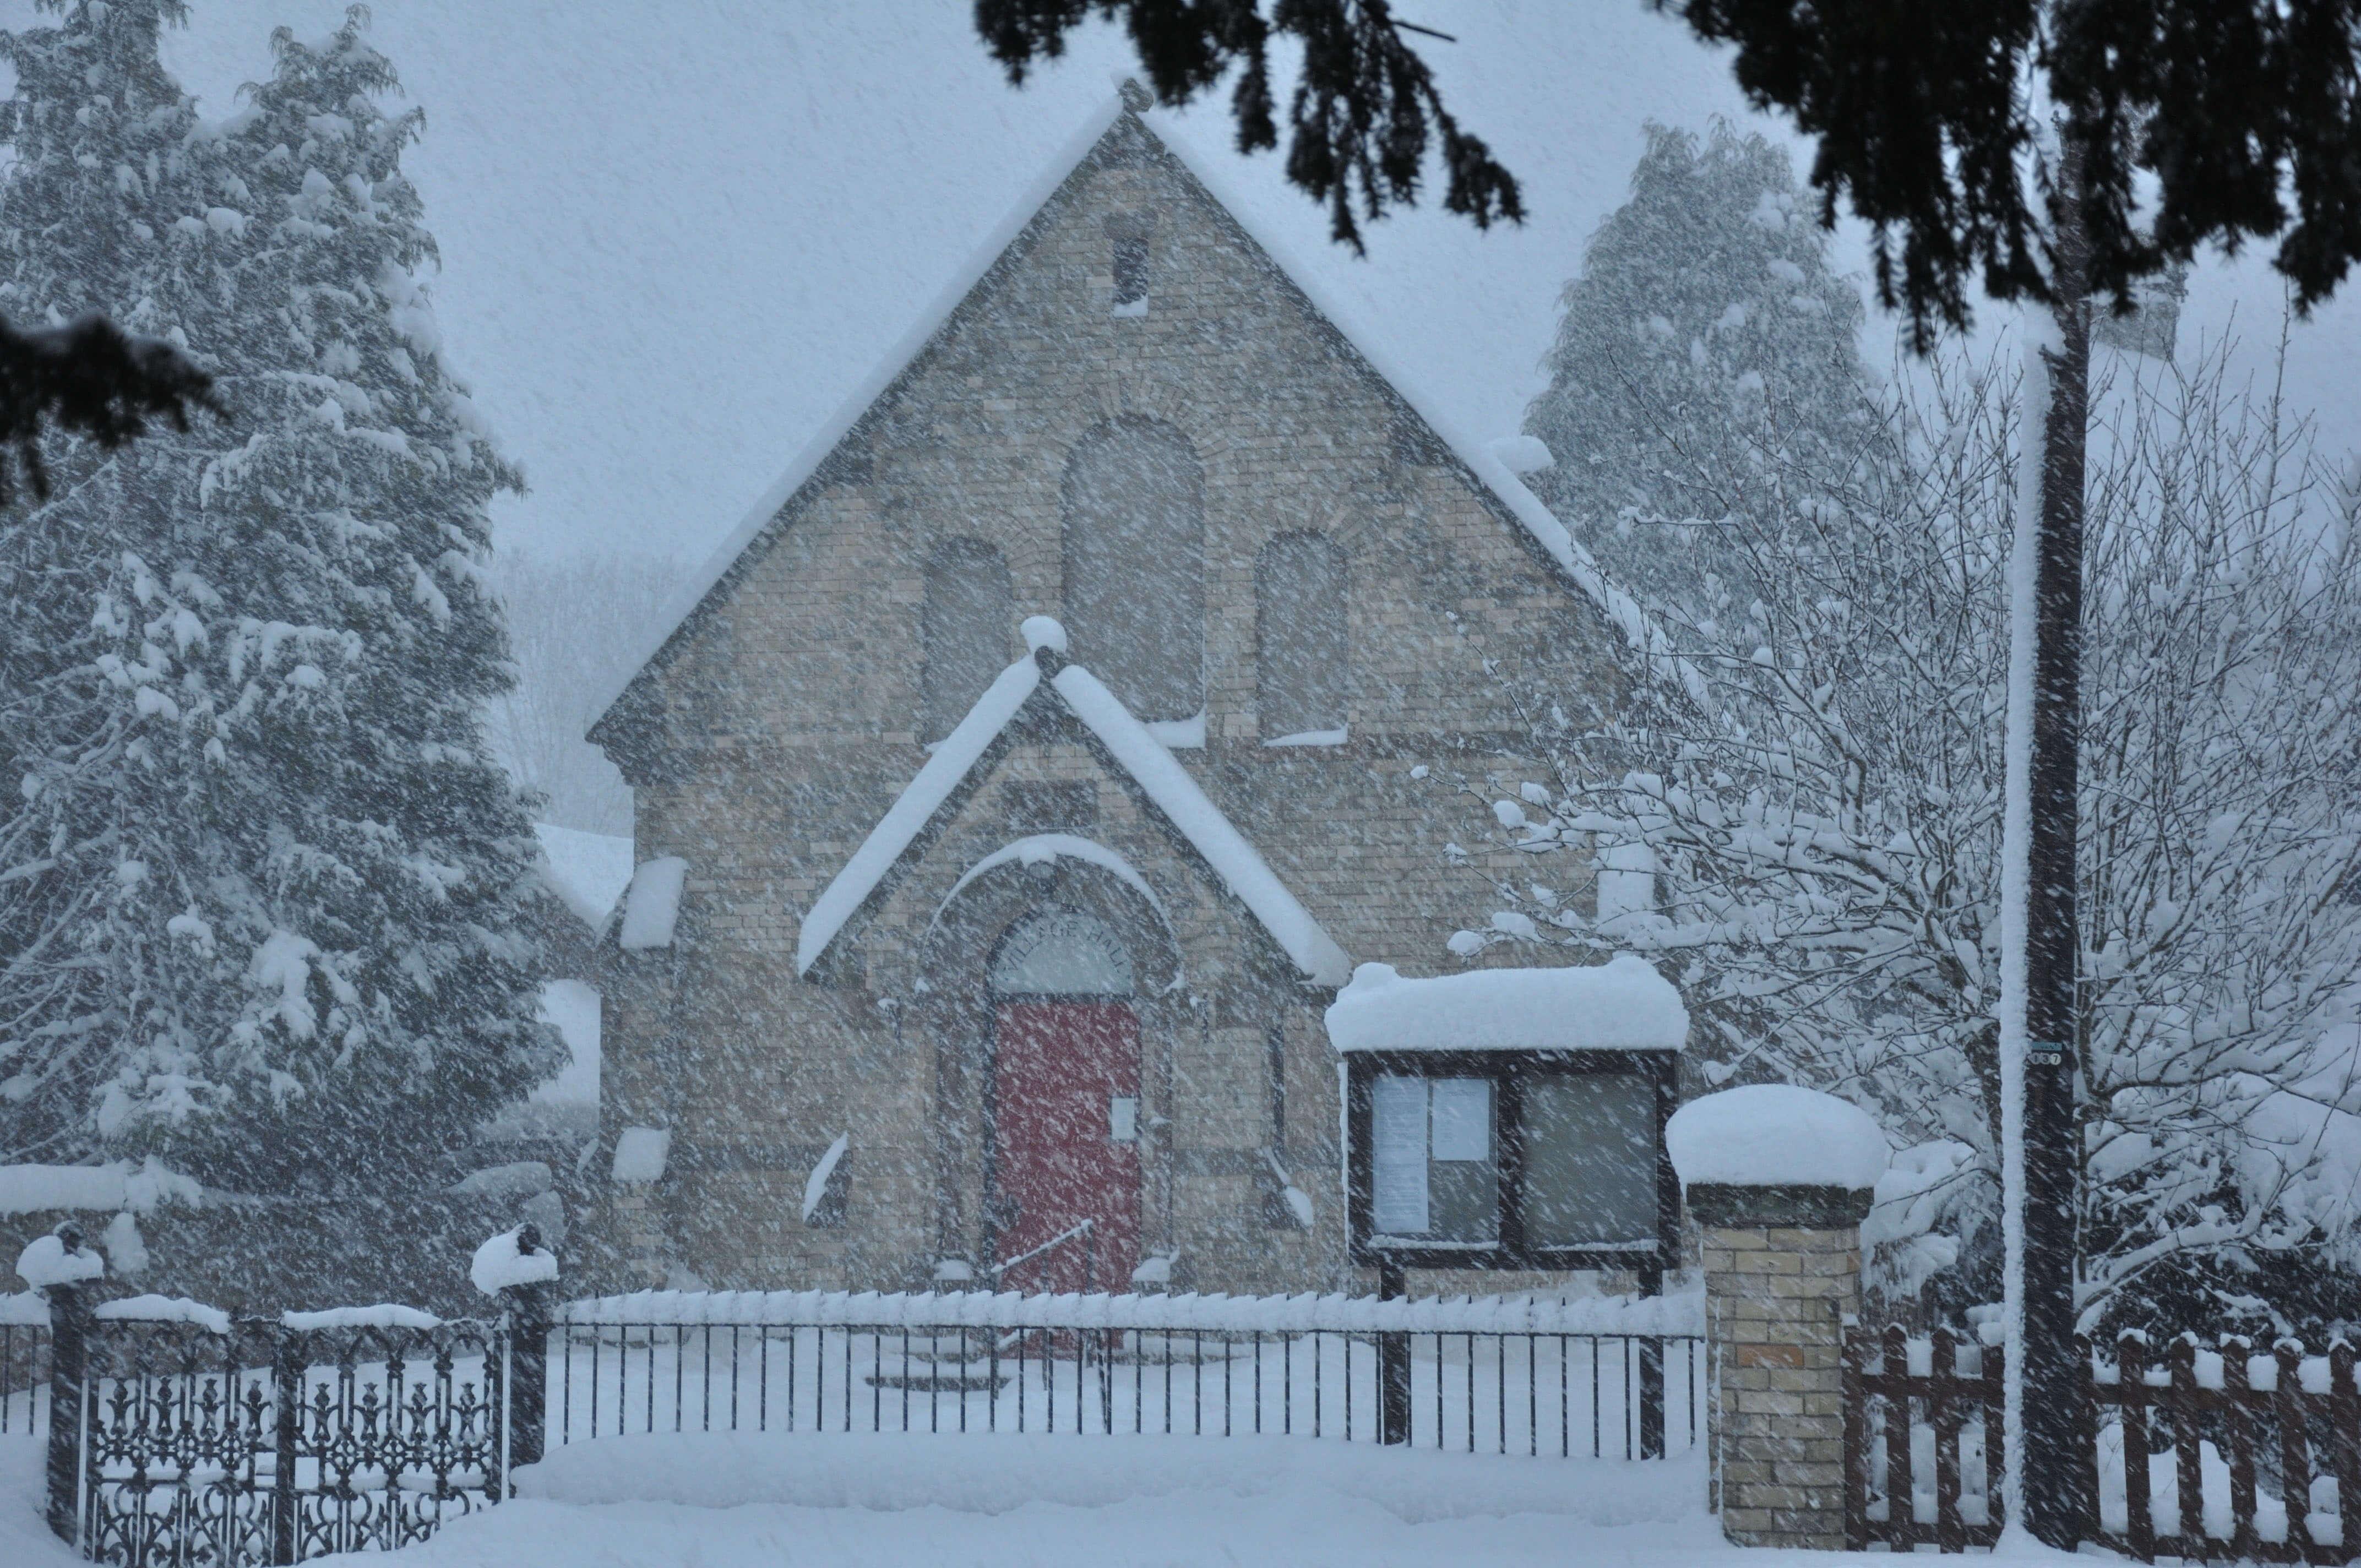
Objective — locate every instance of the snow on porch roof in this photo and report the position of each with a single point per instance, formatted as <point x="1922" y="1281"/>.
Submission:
<point x="1139" y="754"/>
<point x="1622" y="1004"/>
<point x="1490" y="471"/>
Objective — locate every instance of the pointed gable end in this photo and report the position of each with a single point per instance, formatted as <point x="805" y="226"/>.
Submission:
<point x="1115" y="135"/>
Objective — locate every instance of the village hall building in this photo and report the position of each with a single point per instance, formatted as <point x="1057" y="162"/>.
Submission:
<point x="1018" y="789"/>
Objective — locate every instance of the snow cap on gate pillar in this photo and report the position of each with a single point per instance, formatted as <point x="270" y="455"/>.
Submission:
<point x="512" y="1257"/>
<point x="58" y="1259"/>
<point x="1774" y="1154"/>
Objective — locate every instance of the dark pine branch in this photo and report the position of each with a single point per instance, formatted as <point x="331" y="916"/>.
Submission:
<point x="1364" y="111"/>
<point x="2246" y="113"/>
<point x="91" y="378"/>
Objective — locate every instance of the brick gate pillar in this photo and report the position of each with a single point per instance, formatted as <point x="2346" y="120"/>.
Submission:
<point x="1778" y="1181"/>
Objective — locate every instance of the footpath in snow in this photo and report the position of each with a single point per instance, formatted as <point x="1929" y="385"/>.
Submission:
<point x="1000" y="1501"/>
<point x="950" y="1501"/>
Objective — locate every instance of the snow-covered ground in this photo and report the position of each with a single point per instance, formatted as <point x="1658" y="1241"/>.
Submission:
<point x="821" y="1501"/>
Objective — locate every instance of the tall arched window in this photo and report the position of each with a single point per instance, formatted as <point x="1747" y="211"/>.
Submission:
<point x="970" y="616"/>
<point x="1134" y="561"/>
<point x="1305" y="669"/>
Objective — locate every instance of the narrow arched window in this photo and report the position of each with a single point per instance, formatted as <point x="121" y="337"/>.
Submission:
<point x="1135" y="566"/>
<point x="1305" y="671"/>
<point x="971" y="614"/>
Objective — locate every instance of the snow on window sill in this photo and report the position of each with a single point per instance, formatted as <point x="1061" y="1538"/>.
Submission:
<point x="1180" y="734"/>
<point x="1130" y="309"/>
<point x="1312" y="737"/>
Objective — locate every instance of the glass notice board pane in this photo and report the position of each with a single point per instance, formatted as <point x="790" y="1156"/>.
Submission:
<point x="1463" y="1118"/>
<point x="1398" y="1139"/>
<point x="1590" y="1159"/>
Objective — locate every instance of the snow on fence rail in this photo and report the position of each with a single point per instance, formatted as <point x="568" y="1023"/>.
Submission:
<point x="1601" y="1376"/>
<point x="1681" y="1316"/>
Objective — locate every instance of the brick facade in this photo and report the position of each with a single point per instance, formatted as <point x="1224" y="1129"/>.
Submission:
<point x="1777" y="1299"/>
<point x="782" y="719"/>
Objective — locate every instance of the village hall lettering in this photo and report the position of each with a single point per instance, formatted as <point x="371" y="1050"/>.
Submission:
<point x="1044" y="753"/>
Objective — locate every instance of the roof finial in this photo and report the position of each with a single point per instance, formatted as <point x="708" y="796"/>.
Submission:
<point x="1136" y="98"/>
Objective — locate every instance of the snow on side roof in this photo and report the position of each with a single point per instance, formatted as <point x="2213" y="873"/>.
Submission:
<point x="1775" y="1134"/>
<point x="888" y="370"/>
<point x="1620" y="1005"/>
<point x="652" y="907"/>
<point x="1199" y="820"/>
<point x="952" y="763"/>
<point x="587" y="871"/>
<point x="31" y="1189"/>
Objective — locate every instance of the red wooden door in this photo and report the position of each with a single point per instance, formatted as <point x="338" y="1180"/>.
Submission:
<point x="1065" y="1083"/>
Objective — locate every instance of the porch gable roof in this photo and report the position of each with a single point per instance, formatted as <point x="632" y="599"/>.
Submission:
<point x="1134" y="747"/>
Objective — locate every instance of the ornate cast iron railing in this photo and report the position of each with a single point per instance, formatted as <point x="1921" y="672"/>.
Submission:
<point x="181" y="1437"/>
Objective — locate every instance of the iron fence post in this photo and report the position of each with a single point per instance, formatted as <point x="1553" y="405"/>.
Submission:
<point x="528" y="1315"/>
<point x="69" y="1319"/>
<point x="1651" y="1398"/>
<point x="1393" y="1362"/>
<point x="286" y="1427"/>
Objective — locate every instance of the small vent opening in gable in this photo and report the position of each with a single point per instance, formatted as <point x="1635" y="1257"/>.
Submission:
<point x="1131" y="275"/>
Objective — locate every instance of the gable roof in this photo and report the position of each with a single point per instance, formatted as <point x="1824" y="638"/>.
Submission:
<point x="1158" y="775"/>
<point x="1494" y="479"/>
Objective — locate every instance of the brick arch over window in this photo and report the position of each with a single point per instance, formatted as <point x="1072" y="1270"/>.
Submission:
<point x="1135" y="565"/>
<point x="1303" y="679"/>
<point x="967" y="632"/>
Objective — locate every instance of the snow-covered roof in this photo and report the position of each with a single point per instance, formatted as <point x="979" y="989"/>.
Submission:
<point x="587" y="871"/>
<point x="31" y="1189"/>
<point x="913" y="809"/>
<point x="1622" y="1004"/>
<point x="1775" y="1134"/>
<point x="652" y="907"/>
<point x="1199" y="821"/>
<point x="1139" y="754"/>
<point x="1494" y="475"/>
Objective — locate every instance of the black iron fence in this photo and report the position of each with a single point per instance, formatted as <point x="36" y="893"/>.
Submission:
<point x="24" y="1365"/>
<point x="179" y="1436"/>
<point x="1586" y="1379"/>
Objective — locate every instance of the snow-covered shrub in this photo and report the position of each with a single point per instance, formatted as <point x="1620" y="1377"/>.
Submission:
<point x="1822" y="840"/>
<point x="260" y="879"/>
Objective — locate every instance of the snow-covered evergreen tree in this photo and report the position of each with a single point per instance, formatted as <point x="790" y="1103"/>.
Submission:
<point x="262" y="884"/>
<point x="1705" y="344"/>
<point x="1822" y="843"/>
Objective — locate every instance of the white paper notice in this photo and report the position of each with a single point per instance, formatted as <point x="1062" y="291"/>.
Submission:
<point x="1463" y="1118"/>
<point x="1398" y="1155"/>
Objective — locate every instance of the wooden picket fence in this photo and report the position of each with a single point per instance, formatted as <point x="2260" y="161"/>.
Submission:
<point x="1957" y="1393"/>
<point x="2180" y="1421"/>
<point x="2198" y="1454"/>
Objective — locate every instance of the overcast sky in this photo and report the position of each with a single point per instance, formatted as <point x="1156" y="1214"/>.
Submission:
<point x="676" y="233"/>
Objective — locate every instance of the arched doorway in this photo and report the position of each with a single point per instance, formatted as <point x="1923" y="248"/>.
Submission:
<point x="1065" y="1121"/>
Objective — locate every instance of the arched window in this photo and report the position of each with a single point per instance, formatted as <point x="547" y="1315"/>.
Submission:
<point x="1305" y="669"/>
<point x="1135" y="560"/>
<point x="970" y="616"/>
<point x="1061" y="952"/>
